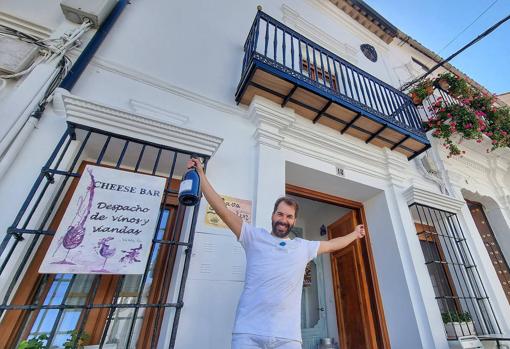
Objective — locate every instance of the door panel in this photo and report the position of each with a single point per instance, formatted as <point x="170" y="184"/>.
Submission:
<point x="355" y="316"/>
<point x="498" y="260"/>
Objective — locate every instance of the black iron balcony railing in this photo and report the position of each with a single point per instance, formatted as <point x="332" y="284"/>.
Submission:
<point x="279" y="51"/>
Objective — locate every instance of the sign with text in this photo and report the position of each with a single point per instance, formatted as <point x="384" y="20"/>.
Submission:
<point x="240" y="207"/>
<point x="108" y="225"/>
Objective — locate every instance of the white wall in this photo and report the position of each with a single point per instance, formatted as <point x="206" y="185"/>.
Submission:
<point x="181" y="62"/>
<point x="393" y="271"/>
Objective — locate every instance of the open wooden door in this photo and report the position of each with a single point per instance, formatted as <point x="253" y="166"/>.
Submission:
<point x="359" y="310"/>
<point x="360" y="321"/>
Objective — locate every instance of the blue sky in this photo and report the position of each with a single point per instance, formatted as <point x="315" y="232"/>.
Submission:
<point x="434" y="23"/>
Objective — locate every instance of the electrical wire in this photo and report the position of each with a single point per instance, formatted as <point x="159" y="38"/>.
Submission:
<point x="481" y="14"/>
<point x="471" y="43"/>
<point x="49" y="48"/>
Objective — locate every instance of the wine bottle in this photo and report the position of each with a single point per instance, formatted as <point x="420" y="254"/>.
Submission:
<point x="189" y="190"/>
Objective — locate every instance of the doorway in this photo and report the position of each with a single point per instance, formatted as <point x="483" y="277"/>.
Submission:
<point x="499" y="262"/>
<point x="344" y="298"/>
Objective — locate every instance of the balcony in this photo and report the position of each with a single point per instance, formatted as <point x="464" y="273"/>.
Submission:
<point x="287" y="68"/>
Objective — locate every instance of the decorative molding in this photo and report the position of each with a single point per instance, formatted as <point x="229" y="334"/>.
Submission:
<point x="88" y="113"/>
<point x="158" y="113"/>
<point x="279" y="128"/>
<point x="270" y="121"/>
<point x="294" y="20"/>
<point x="25" y="26"/>
<point x="318" y="137"/>
<point x="263" y="137"/>
<point x="428" y="198"/>
<point x="263" y="110"/>
<point x="397" y="166"/>
<point x="472" y="164"/>
<point x="133" y="74"/>
<point x="345" y="20"/>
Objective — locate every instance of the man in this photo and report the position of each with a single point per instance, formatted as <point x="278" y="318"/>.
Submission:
<point x="269" y="310"/>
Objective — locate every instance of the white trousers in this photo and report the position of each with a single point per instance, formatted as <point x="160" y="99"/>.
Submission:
<point x="251" y="341"/>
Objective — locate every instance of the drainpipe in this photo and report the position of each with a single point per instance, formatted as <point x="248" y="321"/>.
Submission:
<point x="22" y="134"/>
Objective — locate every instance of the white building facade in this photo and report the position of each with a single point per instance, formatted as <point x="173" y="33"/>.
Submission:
<point x="294" y="98"/>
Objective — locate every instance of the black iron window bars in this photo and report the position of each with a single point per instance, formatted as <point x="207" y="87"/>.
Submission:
<point x="459" y="290"/>
<point x="84" y="144"/>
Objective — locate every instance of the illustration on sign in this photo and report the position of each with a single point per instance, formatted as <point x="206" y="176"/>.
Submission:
<point x="240" y="207"/>
<point x="108" y="225"/>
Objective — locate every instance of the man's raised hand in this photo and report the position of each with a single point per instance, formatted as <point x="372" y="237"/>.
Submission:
<point x="194" y="162"/>
<point x="359" y="231"/>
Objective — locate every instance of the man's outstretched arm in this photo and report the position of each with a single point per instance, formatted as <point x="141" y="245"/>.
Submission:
<point x="233" y="221"/>
<point x="342" y="241"/>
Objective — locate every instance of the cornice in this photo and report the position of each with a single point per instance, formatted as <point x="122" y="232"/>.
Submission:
<point x="428" y="198"/>
<point x="25" y="26"/>
<point x="110" y="119"/>
<point x="344" y="19"/>
<point x="294" y="20"/>
<point x="368" y="18"/>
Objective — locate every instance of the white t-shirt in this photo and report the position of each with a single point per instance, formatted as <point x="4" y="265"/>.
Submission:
<point x="270" y="304"/>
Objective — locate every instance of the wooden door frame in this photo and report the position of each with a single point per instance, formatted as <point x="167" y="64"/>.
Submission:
<point x="366" y="252"/>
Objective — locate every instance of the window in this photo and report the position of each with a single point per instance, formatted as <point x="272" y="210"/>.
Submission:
<point x="458" y="288"/>
<point x="108" y="308"/>
<point x="325" y="79"/>
<point x="369" y="52"/>
<point x="438" y="271"/>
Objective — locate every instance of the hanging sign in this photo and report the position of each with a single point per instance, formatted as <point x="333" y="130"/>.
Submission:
<point x="108" y="225"/>
<point x="240" y="207"/>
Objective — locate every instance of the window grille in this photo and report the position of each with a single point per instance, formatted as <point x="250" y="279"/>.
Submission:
<point x="459" y="290"/>
<point x="62" y="304"/>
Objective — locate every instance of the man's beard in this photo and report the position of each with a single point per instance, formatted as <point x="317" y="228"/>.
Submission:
<point x="281" y="234"/>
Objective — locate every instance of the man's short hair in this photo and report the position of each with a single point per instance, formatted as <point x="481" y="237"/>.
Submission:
<point x="289" y="201"/>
